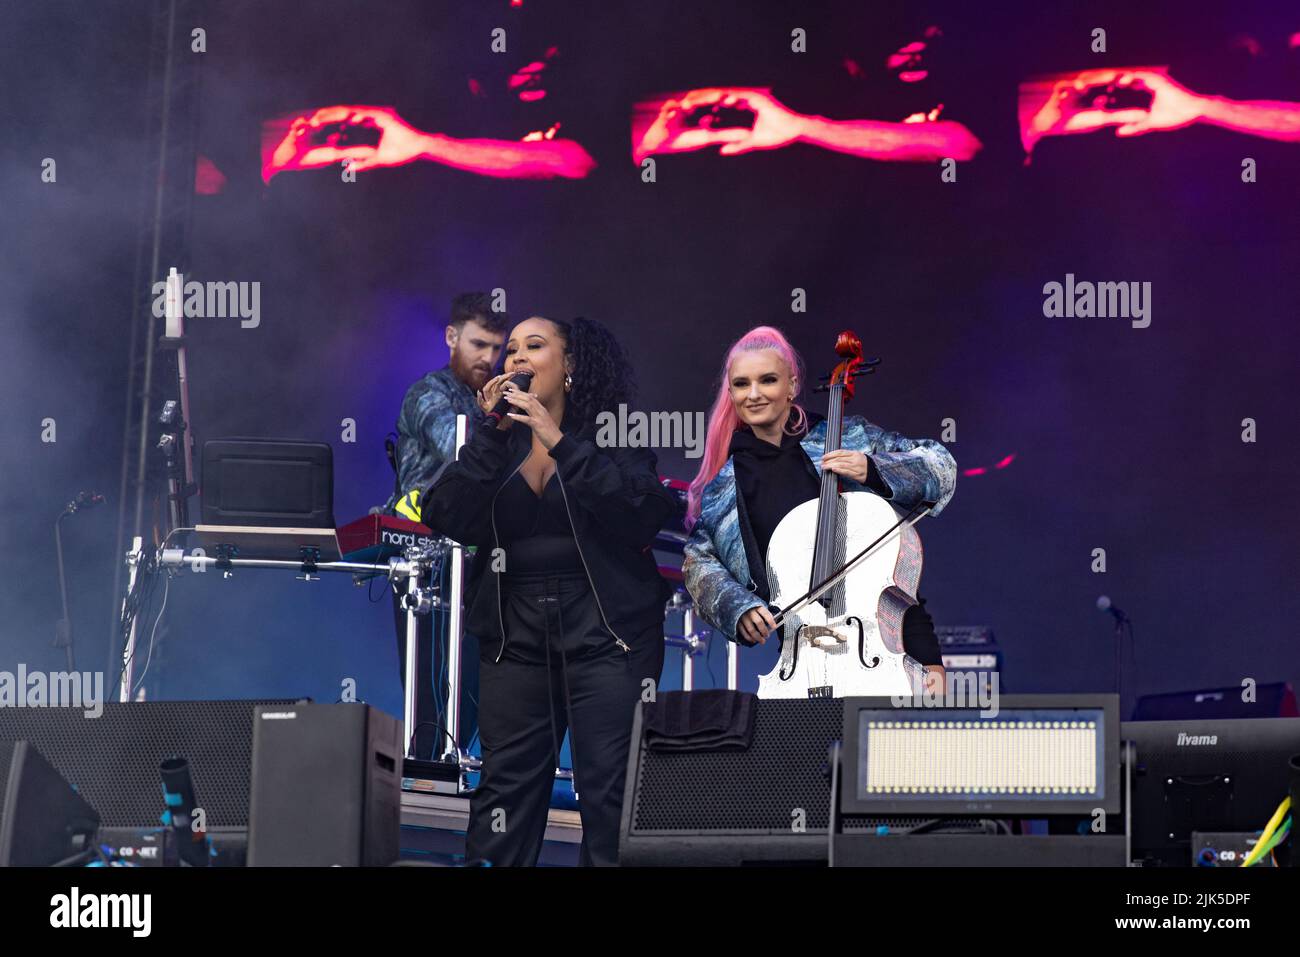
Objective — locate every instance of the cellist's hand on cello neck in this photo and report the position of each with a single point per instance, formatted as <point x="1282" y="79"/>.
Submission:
<point x="755" y="625"/>
<point x="853" y="465"/>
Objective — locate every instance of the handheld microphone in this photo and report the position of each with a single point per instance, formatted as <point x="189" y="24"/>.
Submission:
<point x="521" y="381"/>
<point x="1104" y="604"/>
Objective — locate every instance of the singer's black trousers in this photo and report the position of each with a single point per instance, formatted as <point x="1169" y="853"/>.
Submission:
<point x="560" y="670"/>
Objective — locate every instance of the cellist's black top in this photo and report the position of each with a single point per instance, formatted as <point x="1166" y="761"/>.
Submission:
<point x="773" y="480"/>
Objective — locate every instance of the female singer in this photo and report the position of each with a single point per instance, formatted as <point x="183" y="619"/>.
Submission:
<point x="564" y="594"/>
<point x="763" y="456"/>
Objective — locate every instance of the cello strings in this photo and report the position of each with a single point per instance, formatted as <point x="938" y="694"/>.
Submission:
<point x="815" y="593"/>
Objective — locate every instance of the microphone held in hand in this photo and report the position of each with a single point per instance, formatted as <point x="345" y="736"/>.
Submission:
<point x="521" y="381"/>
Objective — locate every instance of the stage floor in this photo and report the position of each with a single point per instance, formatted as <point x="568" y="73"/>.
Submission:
<point x="433" y="830"/>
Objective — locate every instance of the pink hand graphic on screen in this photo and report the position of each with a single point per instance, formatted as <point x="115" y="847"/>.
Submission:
<point x="671" y="129"/>
<point x="1174" y="106"/>
<point x="375" y="137"/>
<point x="1067" y="108"/>
<point x="696" y="120"/>
<point x="1077" y="103"/>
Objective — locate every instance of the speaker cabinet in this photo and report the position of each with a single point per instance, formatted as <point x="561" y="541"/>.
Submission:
<point x="326" y="787"/>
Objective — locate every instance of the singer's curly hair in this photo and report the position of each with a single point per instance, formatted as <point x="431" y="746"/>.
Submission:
<point x="602" y="376"/>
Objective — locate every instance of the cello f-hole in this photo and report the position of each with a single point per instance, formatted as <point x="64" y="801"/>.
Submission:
<point x="862" y="643"/>
<point x="794" y="656"/>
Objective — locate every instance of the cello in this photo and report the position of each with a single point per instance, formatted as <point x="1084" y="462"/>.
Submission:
<point x="844" y="567"/>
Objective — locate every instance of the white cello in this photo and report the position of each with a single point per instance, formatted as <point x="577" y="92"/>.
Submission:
<point x="844" y="568"/>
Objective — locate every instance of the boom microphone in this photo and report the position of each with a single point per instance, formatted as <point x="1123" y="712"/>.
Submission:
<point x="521" y="381"/>
<point x="83" y="500"/>
<point x="1104" y="605"/>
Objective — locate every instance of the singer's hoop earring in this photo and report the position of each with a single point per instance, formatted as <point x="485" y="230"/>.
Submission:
<point x="568" y="382"/>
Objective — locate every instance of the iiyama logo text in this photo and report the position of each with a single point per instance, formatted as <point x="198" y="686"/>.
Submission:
<point x="1196" y="739"/>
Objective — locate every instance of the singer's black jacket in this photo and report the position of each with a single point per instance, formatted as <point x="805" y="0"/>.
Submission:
<point x="616" y="505"/>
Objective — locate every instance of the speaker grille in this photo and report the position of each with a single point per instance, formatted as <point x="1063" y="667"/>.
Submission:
<point x="113" y="760"/>
<point x="761" y="790"/>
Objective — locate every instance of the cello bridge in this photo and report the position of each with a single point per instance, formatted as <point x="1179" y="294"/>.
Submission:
<point x="822" y="636"/>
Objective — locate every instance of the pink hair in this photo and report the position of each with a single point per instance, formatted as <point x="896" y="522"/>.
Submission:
<point x="723" y="419"/>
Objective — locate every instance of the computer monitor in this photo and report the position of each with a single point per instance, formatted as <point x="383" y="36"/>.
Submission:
<point x="1219" y="776"/>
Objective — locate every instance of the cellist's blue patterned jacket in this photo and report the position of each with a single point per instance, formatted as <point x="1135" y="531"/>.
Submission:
<point x="715" y="565"/>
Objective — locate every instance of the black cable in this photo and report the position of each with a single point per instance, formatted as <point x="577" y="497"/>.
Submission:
<point x="137" y="597"/>
<point x="137" y="600"/>
<point x="153" y="634"/>
<point x="370" y="586"/>
<point x="436" y="620"/>
<point x="439" y="726"/>
<point x="76" y="860"/>
<point x="82" y="857"/>
<point x="927" y="826"/>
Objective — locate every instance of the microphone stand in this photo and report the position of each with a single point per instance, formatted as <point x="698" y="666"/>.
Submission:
<point x="1119" y="663"/>
<point x="1121" y="620"/>
<point x="63" y="627"/>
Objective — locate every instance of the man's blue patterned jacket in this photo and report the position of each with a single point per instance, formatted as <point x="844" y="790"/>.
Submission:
<point x="426" y="428"/>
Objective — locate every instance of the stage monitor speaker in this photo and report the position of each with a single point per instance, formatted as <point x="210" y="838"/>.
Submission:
<point x="769" y="804"/>
<point x="327" y="786"/>
<point x="112" y="760"/>
<point x="43" y="820"/>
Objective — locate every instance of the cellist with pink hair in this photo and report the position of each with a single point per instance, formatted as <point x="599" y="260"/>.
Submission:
<point x="763" y="456"/>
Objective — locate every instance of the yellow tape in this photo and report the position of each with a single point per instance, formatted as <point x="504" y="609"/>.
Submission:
<point x="409" y="505"/>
